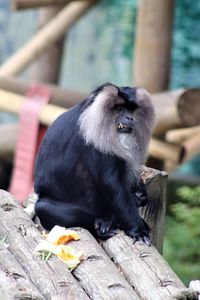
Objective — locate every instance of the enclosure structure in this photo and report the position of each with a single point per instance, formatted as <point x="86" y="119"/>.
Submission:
<point x="116" y="268"/>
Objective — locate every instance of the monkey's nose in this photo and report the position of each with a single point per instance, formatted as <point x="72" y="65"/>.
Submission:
<point x="129" y="118"/>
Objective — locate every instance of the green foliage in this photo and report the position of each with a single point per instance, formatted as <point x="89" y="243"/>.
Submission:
<point x="182" y="242"/>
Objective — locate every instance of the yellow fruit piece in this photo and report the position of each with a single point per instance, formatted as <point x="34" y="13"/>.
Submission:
<point x="59" y="235"/>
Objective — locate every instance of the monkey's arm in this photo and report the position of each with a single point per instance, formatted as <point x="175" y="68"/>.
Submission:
<point x="124" y="206"/>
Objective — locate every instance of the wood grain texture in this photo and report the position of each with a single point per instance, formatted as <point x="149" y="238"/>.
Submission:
<point x="97" y="274"/>
<point x="14" y="282"/>
<point x="143" y="267"/>
<point x="51" y="278"/>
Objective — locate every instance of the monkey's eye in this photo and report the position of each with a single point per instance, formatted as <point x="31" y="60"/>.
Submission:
<point x="118" y="108"/>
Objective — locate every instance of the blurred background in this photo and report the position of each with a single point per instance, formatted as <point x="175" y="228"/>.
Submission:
<point x="102" y="46"/>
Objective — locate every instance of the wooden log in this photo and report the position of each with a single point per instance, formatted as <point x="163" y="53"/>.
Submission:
<point x="14" y="102"/>
<point x="14" y="282"/>
<point x="165" y="151"/>
<point x="51" y="278"/>
<point x="158" y="149"/>
<point x="167" y="104"/>
<point x="97" y="274"/>
<point x="154" y="212"/>
<point x="60" y="96"/>
<point x="176" y="109"/>
<point x="47" y="67"/>
<point x="27" y="4"/>
<point x="179" y="135"/>
<point x="146" y="270"/>
<point x="45" y="38"/>
<point x="153" y="44"/>
<point x="191" y="147"/>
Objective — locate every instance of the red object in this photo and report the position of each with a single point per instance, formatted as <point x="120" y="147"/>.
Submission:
<point x="29" y="137"/>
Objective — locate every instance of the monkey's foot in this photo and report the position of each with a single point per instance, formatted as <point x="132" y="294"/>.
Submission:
<point x="140" y="234"/>
<point x="105" y="228"/>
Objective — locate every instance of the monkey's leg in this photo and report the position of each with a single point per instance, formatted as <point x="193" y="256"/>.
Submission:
<point x="64" y="214"/>
<point x="106" y="227"/>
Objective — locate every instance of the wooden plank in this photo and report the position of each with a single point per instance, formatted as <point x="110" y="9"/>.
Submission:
<point x="45" y="38"/>
<point x="27" y="4"/>
<point x="97" y="273"/>
<point x="14" y="282"/>
<point x="51" y="278"/>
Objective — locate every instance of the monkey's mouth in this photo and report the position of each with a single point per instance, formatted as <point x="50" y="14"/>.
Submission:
<point x="122" y="128"/>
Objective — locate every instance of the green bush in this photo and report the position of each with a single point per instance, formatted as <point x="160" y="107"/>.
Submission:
<point x="182" y="240"/>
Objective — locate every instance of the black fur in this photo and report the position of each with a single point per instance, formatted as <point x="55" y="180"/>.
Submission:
<point x="80" y="186"/>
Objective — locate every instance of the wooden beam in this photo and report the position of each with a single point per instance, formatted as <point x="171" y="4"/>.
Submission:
<point x="13" y="104"/>
<point x="181" y="105"/>
<point x="27" y="4"/>
<point x="60" y="96"/>
<point x="153" y="44"/>
<point x="180" y="135"/>
<point x="175" y="109"/>
<point x="165" y="151"/>
<point x="45" y="38"/>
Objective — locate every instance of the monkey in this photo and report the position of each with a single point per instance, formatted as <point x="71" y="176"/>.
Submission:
<point x="87" y="170"/>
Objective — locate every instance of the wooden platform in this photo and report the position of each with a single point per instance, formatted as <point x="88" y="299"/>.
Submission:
<point x="114" y="269"/>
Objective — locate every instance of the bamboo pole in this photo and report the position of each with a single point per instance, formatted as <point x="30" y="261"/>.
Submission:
<point x="153" y="44"/>
<point x="179" y="135"/>
<point x="27" y="4"/>
<point x="45" y="38"/>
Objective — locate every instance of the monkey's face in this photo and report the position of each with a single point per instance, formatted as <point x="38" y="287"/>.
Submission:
<point x="124" y="110"/>
<point x="117" y="120"/>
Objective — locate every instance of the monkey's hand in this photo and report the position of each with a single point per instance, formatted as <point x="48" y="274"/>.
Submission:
<point x="141" y="198"/>
<point x="140" y="233"/>
<point x="105" y="227"/>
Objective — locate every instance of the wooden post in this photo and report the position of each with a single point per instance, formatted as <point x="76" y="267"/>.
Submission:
<point x="154" y="212"/>
<point x="153" y="44"/>
<point x="47" y="67"/>
<point x="27" y="4"/>
<point x="45" y="38"/>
